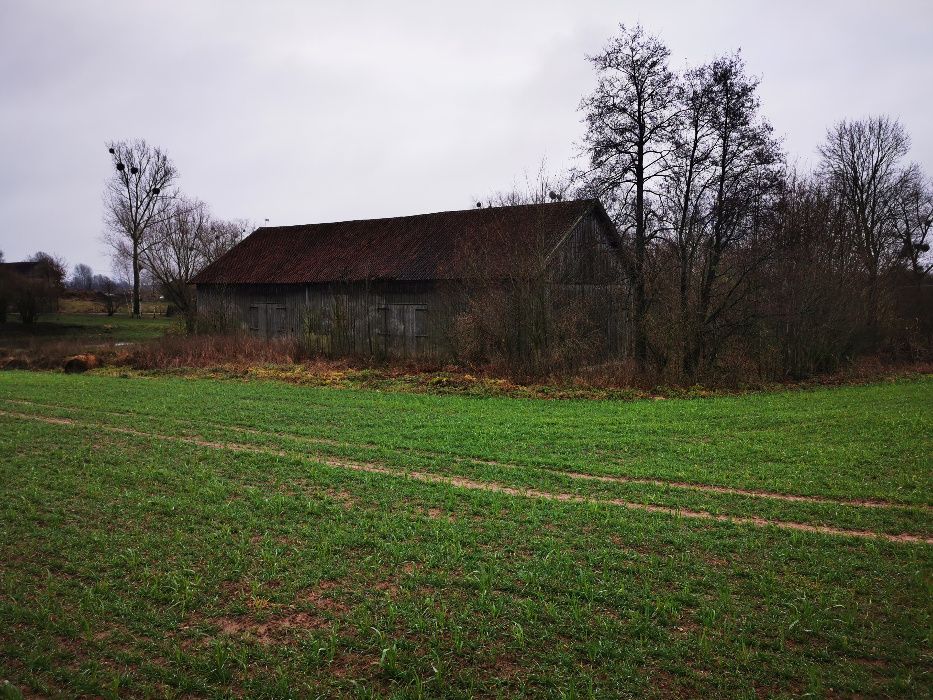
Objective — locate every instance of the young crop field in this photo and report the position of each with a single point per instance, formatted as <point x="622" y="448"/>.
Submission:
<point x="190" y="537"/>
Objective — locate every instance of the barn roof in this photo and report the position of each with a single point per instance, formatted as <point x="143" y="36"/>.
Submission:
<point x="405" y="248"/>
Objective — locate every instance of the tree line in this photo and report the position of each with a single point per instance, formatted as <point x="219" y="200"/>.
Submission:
<point x="731" y="257"/>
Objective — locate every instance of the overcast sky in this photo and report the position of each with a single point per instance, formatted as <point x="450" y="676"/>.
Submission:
<point x="318" y="111"/>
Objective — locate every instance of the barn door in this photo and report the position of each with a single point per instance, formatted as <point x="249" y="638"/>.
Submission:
<point x="395" y="330"/>
<point x="267" y="320"/>
<point x="404" y="327"/>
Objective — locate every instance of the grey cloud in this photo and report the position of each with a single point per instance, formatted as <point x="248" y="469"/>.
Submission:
<point x="304" y="112"/>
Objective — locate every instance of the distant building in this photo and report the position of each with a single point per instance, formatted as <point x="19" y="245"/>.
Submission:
<point x="393" y="287"/>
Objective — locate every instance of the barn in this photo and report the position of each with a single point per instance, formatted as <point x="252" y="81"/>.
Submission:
<point x="396" y="286"/>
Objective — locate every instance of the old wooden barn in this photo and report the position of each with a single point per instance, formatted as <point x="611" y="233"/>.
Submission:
<point x="395" y="286"/>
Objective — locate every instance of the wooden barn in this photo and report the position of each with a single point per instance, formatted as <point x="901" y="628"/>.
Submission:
<point x="395" y="287"/>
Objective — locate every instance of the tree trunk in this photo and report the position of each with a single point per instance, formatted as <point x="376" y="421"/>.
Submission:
<point x="685" y="336"/>
<point x="640" y="301"/>
<point x="136" y="313"/>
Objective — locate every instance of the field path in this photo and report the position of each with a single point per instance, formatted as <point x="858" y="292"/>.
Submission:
<point x="489" y="486"/>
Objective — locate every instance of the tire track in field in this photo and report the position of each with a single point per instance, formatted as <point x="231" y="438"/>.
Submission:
<point x="603" y="478"/>
<point x="487" y="486"/>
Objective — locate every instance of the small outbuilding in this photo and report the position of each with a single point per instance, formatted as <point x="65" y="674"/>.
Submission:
<point x="396" y="286"/>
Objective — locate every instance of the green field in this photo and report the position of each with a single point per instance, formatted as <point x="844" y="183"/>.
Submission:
<point x="172" y="537"/>
<point x="93" y="328"/>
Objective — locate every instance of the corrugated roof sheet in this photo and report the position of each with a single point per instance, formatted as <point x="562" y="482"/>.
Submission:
<point x="406" y="248"/>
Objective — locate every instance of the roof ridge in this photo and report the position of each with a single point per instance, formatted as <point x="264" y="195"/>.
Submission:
<point x="582" y="200"/>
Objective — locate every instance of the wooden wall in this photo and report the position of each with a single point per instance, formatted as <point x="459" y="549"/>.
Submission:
<point x="395" y="319"/>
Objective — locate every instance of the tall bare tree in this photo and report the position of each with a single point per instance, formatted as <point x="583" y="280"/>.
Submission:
<point x="861" y="160"/>
<point x="746" y="171"/>
<point x="685" y="197"/>
<point x="629" y="119"/>
<point x="136" y="197"/>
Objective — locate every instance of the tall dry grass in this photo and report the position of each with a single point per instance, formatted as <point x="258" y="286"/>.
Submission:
<point x="214" y="350"/>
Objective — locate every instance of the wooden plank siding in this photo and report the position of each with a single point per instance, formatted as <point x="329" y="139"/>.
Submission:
<point x="392" y="319"/>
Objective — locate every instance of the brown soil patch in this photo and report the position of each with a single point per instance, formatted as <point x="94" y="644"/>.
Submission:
<point x="44" y="419"/>
<point x="686" y="626"/>
<point x="874" y="664"/>
<point x="317" y="598"/>
<point x="435" y="514"/>
<point x="494" y="487"/>
<point x="346" y="500"/>
<point x="354" y="666"/>
<point x="271" y="629"/>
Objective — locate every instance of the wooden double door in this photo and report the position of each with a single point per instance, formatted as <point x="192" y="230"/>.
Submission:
<point x="267" y="320"/>
<point x="404" y="329"/>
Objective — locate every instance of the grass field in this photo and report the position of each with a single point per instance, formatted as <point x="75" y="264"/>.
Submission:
<point x="75" y="304"/>
<point x="92" y="328"/>
<point x="171" y="536"/>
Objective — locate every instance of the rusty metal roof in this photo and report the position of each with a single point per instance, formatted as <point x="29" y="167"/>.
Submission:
<point x="405" y="248"/>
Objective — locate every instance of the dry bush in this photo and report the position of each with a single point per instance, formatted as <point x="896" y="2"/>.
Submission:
<point x="528" y="328"/>
<point x="211" y="350"/>
<point x="613" y="374"/>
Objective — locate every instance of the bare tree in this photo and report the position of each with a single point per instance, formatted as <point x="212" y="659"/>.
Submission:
<point x="543" y="187"/>
<point x="815" y="311"/>
<point x="82" y="277"/>
<point x="184" y="241"/>
<point x="54" y="265"/>
<point x="629" y="119"/>
<point x="685" y="196"/>
<point x="914" y="220"/>
<point x="222" y="235"/>
<point x="861" y="160"/>
<point x="136" y="198"/>
<point x="746" y="170"/>
<point x="6" y="290"/>
<point x="509" y="311"/>
<point x="38" y="290"/>
<point x="108" y="290"/>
